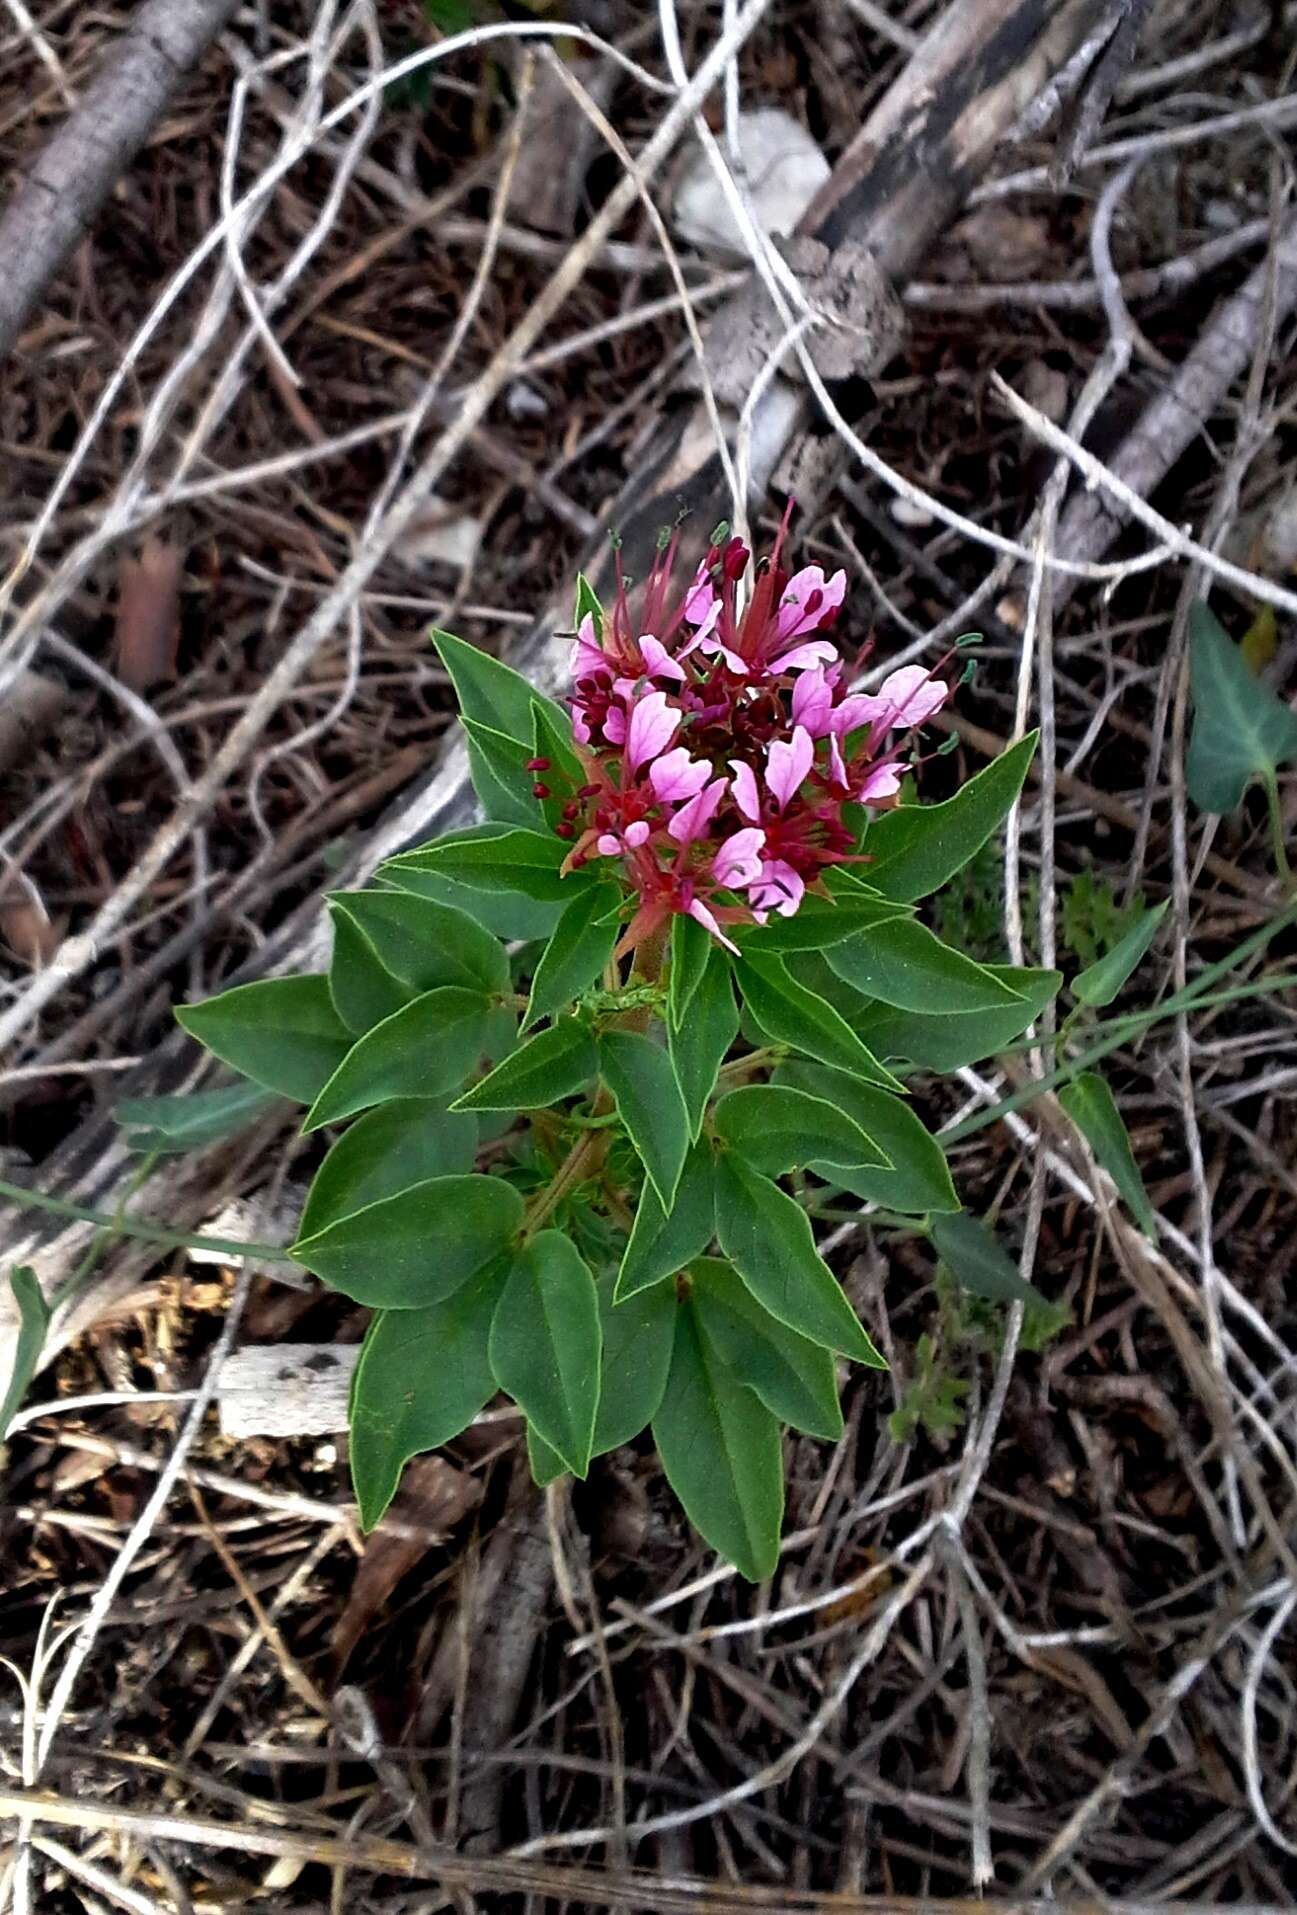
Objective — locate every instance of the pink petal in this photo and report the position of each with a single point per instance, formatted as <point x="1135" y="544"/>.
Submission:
<point x="813" y="702"/>
<point x="692" y="820"/>
<point x="852" y="713"/>
<point x="884" y="781"/>
<point x="653" y="724"/>
<point x="701" y="598"/>
<point x="738" y="861"/>
<point x="634" y="835"/>
<point x="788" y="763"/>
<point x="837" y="768"/>
<point x="580" y="726"/>
<point x="705" y="630"/>
<point x="818" y="652"/>
<point x="779" y="888"/>
<point x="614" y="726"/>
<point x="607" y="846"/>
<point x="587" y="658"/>
<point x="905" y="698"/>
<point x="746" y="795"/>
<point x="699" y="911"/>
<point x="793" y="618"/>
<point x="658" y="662"/>
<point x="675" y="776"/>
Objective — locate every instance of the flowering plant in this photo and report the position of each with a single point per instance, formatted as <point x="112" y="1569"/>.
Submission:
<point x="581" y="1049"/>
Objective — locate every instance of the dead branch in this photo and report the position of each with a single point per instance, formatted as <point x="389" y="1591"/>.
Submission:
<point x="70" y="180"/>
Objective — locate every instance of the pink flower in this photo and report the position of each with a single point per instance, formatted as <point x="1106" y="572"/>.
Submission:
<point x="777" y="887"/>
<point x="697" y="909"/>
<point x="609" y="845"/>
<point x="738" y="861"/>
<point x="653" y="724"/>
<point x="812" y="704"/>
<point x="809" y="601"/>
<point x="746" y="795"/>
<point x="675" y="776"/>
<point x="905" y="698"/>
<point x="701" y="598"/>
<point x="788" y="764"/>
<point x="881" y="781"/>
<point x="588" y="658"/>
<point x="692" y="819"/>
<point x="658" y="662"/>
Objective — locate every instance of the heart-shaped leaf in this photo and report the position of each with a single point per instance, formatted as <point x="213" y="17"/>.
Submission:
<point x="1241" y="729"/>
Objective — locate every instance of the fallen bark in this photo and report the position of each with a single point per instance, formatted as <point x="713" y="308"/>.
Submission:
<point x="71" y="177"/>
<point x="925" y="145"/>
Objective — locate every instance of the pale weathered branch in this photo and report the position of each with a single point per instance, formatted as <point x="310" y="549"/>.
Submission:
<point x="71" y="178"/>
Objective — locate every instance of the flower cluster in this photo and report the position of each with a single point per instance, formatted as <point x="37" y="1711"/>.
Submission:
<point x="720" y="743"/>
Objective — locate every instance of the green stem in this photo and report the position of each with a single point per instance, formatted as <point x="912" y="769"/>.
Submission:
<point x="1281" y="864"/>
<point x="1119" y="1030"/>
<point x="144" y="1232"/>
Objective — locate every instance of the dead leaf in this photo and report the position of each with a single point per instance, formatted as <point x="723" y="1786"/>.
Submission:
<point x="147" y="633"/>
<point x="433" y="1497"/>
<point x="29" y="931"/>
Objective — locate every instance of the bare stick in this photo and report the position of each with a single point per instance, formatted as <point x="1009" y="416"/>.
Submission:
<point x="71" y="179"/>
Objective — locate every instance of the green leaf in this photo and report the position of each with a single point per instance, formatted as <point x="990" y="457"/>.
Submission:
<point x="545" y="1345"/>
<point x="587" y="604"/>
<point x="282" y="1032"/>
<point x="662" y="1243"/>
<point x="553" y="1064"/>
<point x="422" y="1377"/>
<point x="776" y="1129"/>
<point x="978" y="1262"/>
<point x="948" y="1043"/>
<point x="363" y="990"/>
<point x="699" y="1045"/>
<point x="488" y="692"/>
<point x="916" y="848"/>
<point x="423" y="1050"/>
<point x="794" y="1377"/>
<point x="1241" y="729"/>
<point x="33" y="1322"/>
<point x="546" y="1464"/>
<point x="191" y="1121"/>
<point x="637" y="1338"/>
<point x="720" y="1449"/>
<point x="691" y="951"/>
<point x="819" y="924"/>
<point x="1093" y="1109"/>
<point x="495" y="857"/>
<point x="790" y="1014"/>
<point x="497" y="767"/>
<point x="425" y="944"/>
<point x="387" y="1150"/>
<point x="767" y="1237"/>
<point x="1099" y="983"/>
<point x="578" y="950"/>
<point x="416" y="1248"/>
<point x="919" y="1180"/>
<point x="903" y="964"/>
<point x="640" y="1076"/>
<point x="504" y="913"/>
